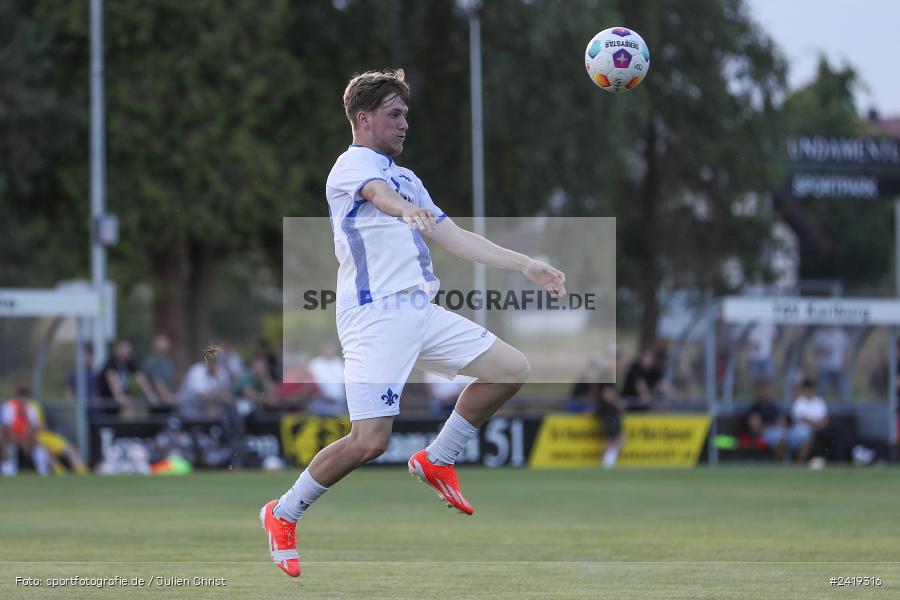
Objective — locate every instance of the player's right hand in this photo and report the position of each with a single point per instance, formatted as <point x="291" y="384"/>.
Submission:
<point x="553" y="280"/>
<point x="419" y="218"/>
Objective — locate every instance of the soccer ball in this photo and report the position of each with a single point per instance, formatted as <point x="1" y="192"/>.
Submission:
<point x="617" y="59"/>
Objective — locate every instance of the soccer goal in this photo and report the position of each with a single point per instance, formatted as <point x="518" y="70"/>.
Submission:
<point x="75" y="300"/>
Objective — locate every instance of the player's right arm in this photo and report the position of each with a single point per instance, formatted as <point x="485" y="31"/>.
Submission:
<point x="388" y="201"/>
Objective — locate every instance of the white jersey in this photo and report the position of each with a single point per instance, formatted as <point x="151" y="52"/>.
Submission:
<point x="379" y="255"/>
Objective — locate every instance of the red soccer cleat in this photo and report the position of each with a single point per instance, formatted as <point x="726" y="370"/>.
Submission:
<point x="282" y="540"/>
<point x="442" y="479"/>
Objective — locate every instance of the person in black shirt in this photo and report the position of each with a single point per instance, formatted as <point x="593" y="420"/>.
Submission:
<point x="643" y="381"/>
<point x="610" y="411"/>
<point x="114" y="381"/>
<point x="765" y="421"/>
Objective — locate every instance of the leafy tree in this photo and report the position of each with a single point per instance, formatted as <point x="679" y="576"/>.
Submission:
<point x="702" y="134"/>
<point x="37" y="123"/>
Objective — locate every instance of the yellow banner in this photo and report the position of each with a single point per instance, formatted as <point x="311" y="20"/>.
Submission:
<point x="663" y="440"/>
<point x="567" y="441"/>
<point x="303" y="437"/>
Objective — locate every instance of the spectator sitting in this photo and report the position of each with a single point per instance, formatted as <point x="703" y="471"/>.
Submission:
<point x="20" y="423"/>
<point x="643" y="381"/>
<point x="810" y="415"/>
<point x="115" y="379"/>
<point x="205" y="390"/>
<point x="160" y="373"/>
<point x="230" y="360"/>
<point x="206" y="393"/>
<point x="90" y="378"/>
<point x="328" y="371"/>
<point x="765" y="421"/>
<point x="254" y="388"/>
<point x="299" y="386"/>
<point x="610" y="411"/>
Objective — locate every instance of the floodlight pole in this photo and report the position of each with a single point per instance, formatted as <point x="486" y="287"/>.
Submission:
<point x="892" y="339"/>
<point x="897" y="246"/>
<point x="478" y="224"/>
<point x="98" y="176"/>
<point x="711" y="391"/>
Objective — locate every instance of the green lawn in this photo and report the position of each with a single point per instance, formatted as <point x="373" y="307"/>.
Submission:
<point x="752" y="532"/>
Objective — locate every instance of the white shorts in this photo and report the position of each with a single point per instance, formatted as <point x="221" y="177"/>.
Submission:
<point x="384" y="340"/>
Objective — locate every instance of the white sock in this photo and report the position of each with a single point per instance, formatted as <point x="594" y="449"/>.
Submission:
<point x="40" y="456"/>
<point x="451" y="440"/>
<point x="609" y="458"/>
<point x="296" y="500"/>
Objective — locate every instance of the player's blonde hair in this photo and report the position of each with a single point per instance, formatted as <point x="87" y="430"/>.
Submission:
<point x="367" y="91"/>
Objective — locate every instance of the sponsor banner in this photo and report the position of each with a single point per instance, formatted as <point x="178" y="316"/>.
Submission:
<point x="557" y="440"/>
<point x="824" y="152"/>
<point x="663" y="440"/>
<point x="303" y="437"/>
<point x="567" y="441"/>
<point x="806" y="311"/>
<point x="204" y="444"/>
<point x="843" y="167"/>
<point x="297" y="438"/>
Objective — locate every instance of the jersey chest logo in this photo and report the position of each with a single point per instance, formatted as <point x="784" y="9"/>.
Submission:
<point x="397" y="186"/>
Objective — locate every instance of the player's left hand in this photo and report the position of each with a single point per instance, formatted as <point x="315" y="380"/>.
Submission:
<point x="550" y="277"/>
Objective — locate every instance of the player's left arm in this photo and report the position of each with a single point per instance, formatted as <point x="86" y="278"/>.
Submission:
<point x="471" y="246"/>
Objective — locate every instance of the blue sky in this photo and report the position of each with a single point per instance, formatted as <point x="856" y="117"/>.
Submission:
<point x="863" y="33"/>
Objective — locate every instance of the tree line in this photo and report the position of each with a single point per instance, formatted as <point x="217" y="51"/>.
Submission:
<point x="225" y="116"/>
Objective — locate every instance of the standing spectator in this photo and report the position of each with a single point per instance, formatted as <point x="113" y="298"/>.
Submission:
<point x="328" y="370"/>
<point x="90" y="378"/>
<point x="759" y="352"/>
<point x="20" y="423"/>
<point x="643" y="381"/>
<point x="254" y="388"/>
<point x="160" y="371"/>
<point x="610" y="411"/>
<point x="831" y="345"/>
<point x="113" y="387"/>
<point x="765" y="421"/>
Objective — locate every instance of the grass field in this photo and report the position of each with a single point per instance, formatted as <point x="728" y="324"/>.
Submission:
<point x="752" y="532"/>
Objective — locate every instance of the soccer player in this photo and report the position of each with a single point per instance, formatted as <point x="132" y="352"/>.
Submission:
<point x="386" y="321"/>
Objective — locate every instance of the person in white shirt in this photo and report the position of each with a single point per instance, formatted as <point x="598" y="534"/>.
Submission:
<point x="831" y="346"/>
<point x="809" y="414"/>
<point x="327" y="370"/>
<point x="205" y="390"/>
<point x="386" y="321"/>
<point x="759" y="352"/>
